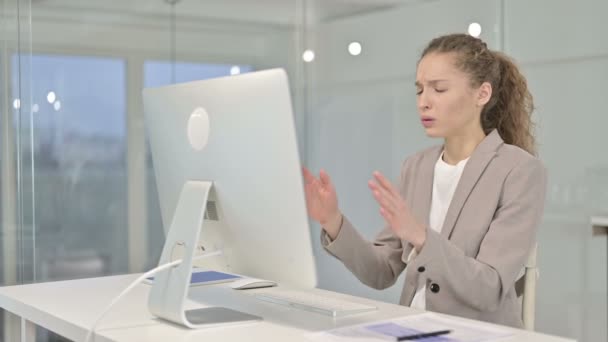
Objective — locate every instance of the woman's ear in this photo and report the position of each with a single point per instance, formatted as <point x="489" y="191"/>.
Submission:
<point x="484" y="93"/>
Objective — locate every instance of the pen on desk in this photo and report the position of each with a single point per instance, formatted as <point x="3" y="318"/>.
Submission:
<point x="422" y="335"/>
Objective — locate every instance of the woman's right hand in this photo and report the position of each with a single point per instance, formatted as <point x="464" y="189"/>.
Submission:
<point x="322" y="202"/>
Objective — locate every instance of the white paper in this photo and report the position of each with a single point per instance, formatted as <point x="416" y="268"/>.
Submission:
<point x="388" y="330"/>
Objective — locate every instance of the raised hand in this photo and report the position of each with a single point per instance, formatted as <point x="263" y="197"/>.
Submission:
<point x="322" y="201"/>
<point x="395" y="211"/>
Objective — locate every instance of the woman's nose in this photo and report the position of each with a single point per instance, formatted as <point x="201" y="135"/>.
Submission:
<point x="423" y="103"/>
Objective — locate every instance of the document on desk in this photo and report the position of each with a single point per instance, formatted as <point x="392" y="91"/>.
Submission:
<point x="391" y="330"/>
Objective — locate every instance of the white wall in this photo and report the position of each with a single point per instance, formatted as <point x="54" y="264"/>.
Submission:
<point x="363" y="117"/>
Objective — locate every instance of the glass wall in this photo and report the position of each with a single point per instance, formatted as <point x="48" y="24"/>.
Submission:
<point x="363" y="117"/>
<point x="77" y="183"/>
<point x="78" y="190"/>
<point x="18" y="225"/>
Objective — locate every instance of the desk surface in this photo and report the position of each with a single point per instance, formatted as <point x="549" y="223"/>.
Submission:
<point x="70" y="307"/>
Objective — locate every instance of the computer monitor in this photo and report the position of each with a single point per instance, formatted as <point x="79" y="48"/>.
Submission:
<point x="238" y="134"/>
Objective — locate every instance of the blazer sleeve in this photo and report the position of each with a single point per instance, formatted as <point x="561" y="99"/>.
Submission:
<point x="377" y="263"/>
<point x="483" y="282"/>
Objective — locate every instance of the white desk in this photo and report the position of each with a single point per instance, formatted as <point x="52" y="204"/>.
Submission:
<point x="68" y="308"/>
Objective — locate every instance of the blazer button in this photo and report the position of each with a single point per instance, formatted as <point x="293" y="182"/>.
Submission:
<point x="434" y="288"/>
<point x="421" y="269"/>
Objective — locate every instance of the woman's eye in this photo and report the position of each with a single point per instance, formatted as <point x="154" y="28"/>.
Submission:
<point x="440" y="90"/>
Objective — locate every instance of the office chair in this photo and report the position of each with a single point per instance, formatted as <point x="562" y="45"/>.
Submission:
<point x="525" y="287"/>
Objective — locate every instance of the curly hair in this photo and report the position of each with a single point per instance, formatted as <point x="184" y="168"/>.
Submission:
<point x="511" y="105"/>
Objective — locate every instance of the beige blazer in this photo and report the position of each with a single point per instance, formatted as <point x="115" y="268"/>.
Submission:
<point x="471" y="267"/>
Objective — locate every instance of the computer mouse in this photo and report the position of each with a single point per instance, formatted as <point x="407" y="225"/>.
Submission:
<point x="251" y="283"/>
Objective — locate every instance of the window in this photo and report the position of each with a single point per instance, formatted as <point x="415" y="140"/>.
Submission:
<point x="75" y="144"/>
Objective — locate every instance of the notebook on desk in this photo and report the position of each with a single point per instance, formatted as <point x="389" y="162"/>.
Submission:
<point x="205" y="277"/>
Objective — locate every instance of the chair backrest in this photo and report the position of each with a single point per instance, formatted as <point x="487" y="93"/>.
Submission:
<point x="526" y="288"/>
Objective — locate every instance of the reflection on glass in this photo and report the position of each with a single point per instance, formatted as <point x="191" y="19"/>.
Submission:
<point x="475" y="29"/>
<point x="50" y="97"/>
<point x="354" y="48"/>
<point x="308" y="56"/>
<point x="77" y="152"/>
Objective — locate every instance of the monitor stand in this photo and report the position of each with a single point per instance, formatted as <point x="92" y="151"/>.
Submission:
<point x="170" y="288"/>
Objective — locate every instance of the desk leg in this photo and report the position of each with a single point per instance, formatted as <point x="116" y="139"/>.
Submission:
<point x="28" y="331"/>
<point x="12" y="327"/>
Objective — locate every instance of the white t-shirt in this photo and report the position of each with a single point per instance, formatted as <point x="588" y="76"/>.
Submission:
<point x="445" y="180"/>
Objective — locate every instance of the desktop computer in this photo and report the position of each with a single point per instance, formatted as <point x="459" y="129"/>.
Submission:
<point x="229" y="178"/>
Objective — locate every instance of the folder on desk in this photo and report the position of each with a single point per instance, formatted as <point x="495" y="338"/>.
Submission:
<point x="205" y="277"/>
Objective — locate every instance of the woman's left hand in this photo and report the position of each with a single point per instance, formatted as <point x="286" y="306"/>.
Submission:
<point x="396" y="213"/>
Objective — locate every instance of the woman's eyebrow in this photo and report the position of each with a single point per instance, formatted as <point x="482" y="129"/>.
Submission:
<point x="430" y="82"/>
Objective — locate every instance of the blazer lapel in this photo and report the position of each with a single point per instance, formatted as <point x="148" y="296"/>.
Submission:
<point x="420" y="203"/>
<point x="474" y="168"/>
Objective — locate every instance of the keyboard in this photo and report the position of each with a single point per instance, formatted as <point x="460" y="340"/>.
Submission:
<point x="314" y="302"/>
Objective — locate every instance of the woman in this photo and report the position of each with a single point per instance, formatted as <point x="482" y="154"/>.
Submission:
<point x="463" y="218"/>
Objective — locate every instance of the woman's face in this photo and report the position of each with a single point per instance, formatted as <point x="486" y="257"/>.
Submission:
<point x="447" y="103"/>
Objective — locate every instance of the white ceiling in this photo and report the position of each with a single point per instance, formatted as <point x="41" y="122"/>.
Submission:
<point x="272" y="12"/>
